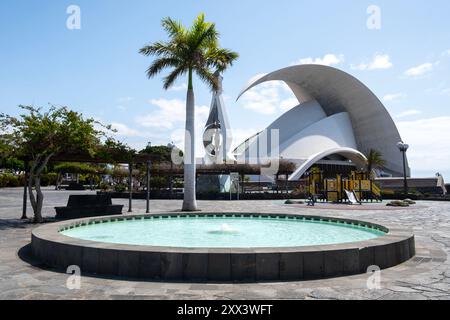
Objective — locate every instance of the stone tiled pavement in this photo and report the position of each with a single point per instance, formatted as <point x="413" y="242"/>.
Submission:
<point x="427" y="276"/>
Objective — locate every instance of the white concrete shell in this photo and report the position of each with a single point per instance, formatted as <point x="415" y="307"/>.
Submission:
<point x="336" y="112"/>
<point x="355" y="156"/>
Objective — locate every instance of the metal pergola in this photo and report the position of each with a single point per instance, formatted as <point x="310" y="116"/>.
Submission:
<point x="84" y="158"/>
<point x="160" y="169"/>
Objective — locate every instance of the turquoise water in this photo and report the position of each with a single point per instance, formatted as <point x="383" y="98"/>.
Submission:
<point x="222" y="232"/>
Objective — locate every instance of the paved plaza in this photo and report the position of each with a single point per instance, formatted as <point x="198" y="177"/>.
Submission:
<point x="427" y="276"/>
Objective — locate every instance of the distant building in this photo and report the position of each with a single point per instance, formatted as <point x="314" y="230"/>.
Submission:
<point x="433" y="185"/>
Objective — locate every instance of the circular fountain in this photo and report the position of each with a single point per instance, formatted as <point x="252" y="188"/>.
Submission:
<point x="222" y="247"/>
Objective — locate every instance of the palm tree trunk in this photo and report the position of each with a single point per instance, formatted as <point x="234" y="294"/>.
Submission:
<point x="189" y="202"/>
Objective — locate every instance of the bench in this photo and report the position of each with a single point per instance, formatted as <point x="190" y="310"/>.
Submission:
<point x="83" y="206"/>
<point x="73" y="186"/>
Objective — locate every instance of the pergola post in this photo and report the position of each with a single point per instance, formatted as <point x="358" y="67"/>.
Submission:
<point x="130" y="186"/>
<point x="287" y="184"/>
<point x="149" y="164"/>
<point x="25" y="193"/>
<point x="171" y="180"/>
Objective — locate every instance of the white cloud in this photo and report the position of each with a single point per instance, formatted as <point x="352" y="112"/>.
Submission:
<point x="254" y="79"/>
<point x="242" y="134"/>
<point x="439" y="89"/>
<point x="393" y="97"/>
<point x="124" y="131"/>
<point x="408" y="113"/>
<point x="125" y="99"/>
<point x="167" y="122"/>
<point x="429" y="141"/>
<point x="170" y="113"/>
<point x="327" y="60"/>
<point x="445" y="91"/>
<point x="123" y="103"/>
<point x="121" y="129"/>
<point x="288" y="104"/>
<point x="268" y="98"/>
<point x="265" y="98"/>
<point x="419" y="70"/>
<point x="379" y="61"/>
<point x="180" y="87"/>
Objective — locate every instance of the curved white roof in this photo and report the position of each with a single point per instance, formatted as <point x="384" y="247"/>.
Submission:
<point x="337" y="92"/>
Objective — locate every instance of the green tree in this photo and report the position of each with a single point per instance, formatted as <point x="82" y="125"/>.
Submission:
<point x="87" y="170"/>
<point x="159" y="153"/>
<point x="8" y="161"/>
<point x="374" y="160"/>
<point x="38" y="135"/>
<point x="76" y="167"/>
<point x="189" y="50"/>
<point x="4" y="147"/>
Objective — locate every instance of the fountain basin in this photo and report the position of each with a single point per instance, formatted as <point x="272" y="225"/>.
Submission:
<point x="178" y="255"/>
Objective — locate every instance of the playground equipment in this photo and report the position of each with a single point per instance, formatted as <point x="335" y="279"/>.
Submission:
<point x="351" y="196"/>
<point x="356" y="188"/>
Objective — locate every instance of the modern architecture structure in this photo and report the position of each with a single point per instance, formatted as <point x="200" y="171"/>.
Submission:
<point x="217" y="137"/>
<point x="337" y="121"/>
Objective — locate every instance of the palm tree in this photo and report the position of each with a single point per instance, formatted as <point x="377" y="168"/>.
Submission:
<point x="374" y="160"/>
<point x="189" y="50"/>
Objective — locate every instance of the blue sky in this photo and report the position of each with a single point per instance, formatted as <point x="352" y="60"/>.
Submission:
<point x="97" y="69"/>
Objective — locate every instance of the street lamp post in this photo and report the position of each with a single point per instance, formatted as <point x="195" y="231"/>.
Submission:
<point x="171" y="146"/>
<point x="149" y="165"/>
<point x="403" y="147"/>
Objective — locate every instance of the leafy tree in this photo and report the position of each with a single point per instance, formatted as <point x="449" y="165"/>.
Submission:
<point x="115" y="151"/>
<point x="6" y="159"/>
<point x="5" y="149"/>
<point x="76" y="167"/>
<point x="12" y="163"/>
<point x="159" y="153"/>
<point x="189" y="50"/>
<point x="86" y="170"/>
<point x="39" y="135"/>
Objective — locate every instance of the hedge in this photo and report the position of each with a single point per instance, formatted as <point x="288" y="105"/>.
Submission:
<point x="9" y="180"/>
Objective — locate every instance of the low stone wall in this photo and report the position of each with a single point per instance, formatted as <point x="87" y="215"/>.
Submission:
<point x="223" y="265"/>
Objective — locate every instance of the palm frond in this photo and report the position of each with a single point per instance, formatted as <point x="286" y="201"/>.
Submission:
<point x="196" y="49"/>
<point x="173" y="76"/>
<point x="159" y="64"/>
<point x="220" y="59"/>
<point x="203" y="34"/>
<point x="173" y="28"/>
<point x="208" y="77"/>
<point x="375" y="157"/>
<point x="158" y="48"/>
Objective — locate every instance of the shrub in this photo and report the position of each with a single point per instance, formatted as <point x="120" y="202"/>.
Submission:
<point x="9" y="180"/>
<point x="104" y="186"/>
<point x="86" y="179"/>
<point x="48" y="179"/>
<point x="120" y="187"/>
<point x="158" y="182"/>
